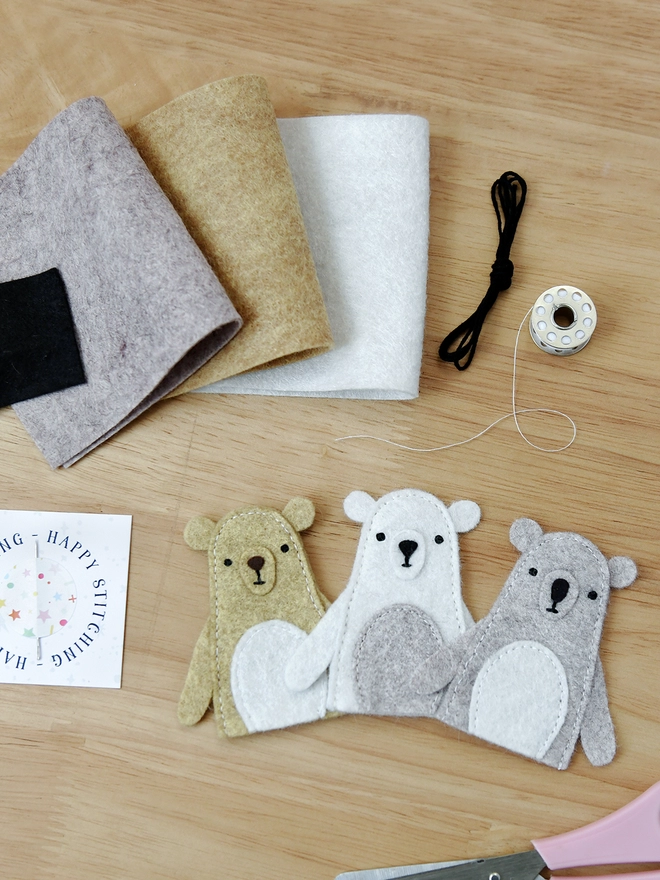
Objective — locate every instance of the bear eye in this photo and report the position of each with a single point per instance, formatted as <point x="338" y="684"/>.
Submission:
<point x="438" y="539"/>
<point x="533" y="572"/>
<point x="227" y="562"/>
<point x="592" y="594"/>
<point x="284" y="548"/>
<point x="380" y="536"/>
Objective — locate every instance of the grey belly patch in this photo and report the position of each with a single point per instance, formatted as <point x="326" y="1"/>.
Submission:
<point x="390" y="648"/>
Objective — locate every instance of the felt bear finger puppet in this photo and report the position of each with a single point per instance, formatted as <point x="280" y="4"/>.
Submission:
<point x="402" y="603"/>
<point x="264" y="601"/>
<point x="528" y="676"/>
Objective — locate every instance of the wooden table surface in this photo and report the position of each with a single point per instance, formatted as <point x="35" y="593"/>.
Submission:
<point x="106" y="783"/>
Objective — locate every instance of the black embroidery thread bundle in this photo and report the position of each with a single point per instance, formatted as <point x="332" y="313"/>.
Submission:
<point x="508" y="195"/>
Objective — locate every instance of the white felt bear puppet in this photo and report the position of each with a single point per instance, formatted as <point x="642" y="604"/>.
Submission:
<point x="402" y="603"/>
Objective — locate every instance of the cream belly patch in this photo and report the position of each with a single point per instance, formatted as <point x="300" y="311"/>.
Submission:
<point x="262" y="699"/>
<point x="520" y="698"/>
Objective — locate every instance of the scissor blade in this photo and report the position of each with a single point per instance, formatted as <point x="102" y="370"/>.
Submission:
<point x="392" y="873"/>
<point x="519" y="866"/>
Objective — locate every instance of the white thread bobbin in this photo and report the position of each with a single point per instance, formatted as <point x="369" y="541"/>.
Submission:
<point x="563" y="320"/>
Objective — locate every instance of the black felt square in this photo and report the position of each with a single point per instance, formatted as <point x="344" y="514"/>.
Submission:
<point x="38" y="347"/>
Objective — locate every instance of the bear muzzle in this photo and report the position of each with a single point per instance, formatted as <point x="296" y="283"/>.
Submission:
<point x="258" y="570"/>
<point x="558" y="594"/>
<point x="407" y="554"/>
<point x="407" y="548"/>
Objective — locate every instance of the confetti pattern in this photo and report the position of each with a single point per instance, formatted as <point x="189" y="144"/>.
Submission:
<point x="37" y="600"/>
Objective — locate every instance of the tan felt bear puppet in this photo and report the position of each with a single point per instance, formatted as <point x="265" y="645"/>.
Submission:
<point x="264" y="601"/>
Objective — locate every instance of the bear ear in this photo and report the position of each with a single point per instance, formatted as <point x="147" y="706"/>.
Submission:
<point x="300" y="512"/>
<point x="465" y="515"/>
<point x="623" y="571"/>
<point x="197" y="534"/>
<point x="524" y="533"/>
<point x="359" y="506"/>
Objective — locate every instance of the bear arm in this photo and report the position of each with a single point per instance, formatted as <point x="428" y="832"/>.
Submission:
<point x="310" y="660"/>
<point x="198" y="689"/>
<point x="435" y="672"/>
<point x="597" y="731"/>
<point x="468" y="620"/>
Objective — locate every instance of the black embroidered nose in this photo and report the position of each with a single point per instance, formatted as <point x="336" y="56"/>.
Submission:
<point x="256" y="563"/>
<point x="407" y="548"/>
<point x="558" y="593"/>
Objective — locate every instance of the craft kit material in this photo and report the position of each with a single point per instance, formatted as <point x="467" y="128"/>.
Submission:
<point x="508" y="195"/>
<point x="563" y="320"/>
<point x="630" y="835"/>
<point x="402" y="604"/>
<point x="218" y="155"/>
<point x="363" y="185"/>
<point x="528" y="676"/>
<point x="63" y="581"/>
<point x="515" y="412"/>
<point x="39" y="352"/>
<point x="147" y="309"/>
<point x="400" y="640"/>
<point x="264" y="600"/>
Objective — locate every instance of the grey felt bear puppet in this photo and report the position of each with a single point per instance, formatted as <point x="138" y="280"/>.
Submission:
<point x="528" y="676"/>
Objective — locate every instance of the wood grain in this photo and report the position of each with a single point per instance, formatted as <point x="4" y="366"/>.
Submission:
<point x="106" y="784"/>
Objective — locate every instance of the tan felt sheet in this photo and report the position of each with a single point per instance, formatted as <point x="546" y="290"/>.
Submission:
<point x="218" y="155"/>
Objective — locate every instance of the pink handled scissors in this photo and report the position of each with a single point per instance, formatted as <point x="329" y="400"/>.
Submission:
<point x="628" y="836"/>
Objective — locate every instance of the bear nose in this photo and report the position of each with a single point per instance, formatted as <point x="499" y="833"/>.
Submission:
<point x="558" y="592"/>
<point x="407" y="548"/>
<point x="256" y="563"/>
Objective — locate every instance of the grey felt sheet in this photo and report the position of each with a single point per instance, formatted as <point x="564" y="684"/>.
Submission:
<point x="148" y="309"/>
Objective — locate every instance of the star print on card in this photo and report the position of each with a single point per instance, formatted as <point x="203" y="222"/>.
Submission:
<point x="44" y="610"/>
<point x="63" y="580"/>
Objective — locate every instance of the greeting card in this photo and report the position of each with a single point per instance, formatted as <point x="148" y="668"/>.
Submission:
<point x="63" y="580"/>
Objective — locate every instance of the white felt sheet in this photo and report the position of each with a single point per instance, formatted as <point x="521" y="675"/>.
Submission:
<point x="363" y="186"/>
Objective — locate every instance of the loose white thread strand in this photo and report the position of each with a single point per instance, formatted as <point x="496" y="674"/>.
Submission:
<point x="513" y="414"/>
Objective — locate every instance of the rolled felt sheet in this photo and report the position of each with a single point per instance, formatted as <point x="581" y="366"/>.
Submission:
<point x="363" y="186"/>
<point x="218" y="154"/>
<point x="146" y="306"/>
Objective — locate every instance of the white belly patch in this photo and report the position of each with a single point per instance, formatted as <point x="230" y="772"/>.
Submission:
<point x="257" y="679"/>
<point x="520" y="699"/>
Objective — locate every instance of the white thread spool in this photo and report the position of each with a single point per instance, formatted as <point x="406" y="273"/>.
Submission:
<point x="563" y="320"/>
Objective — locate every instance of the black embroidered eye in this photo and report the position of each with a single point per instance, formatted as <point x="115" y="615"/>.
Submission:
<point x="228" y="562"/>
<point x="438" y="539"/>
<point x="284" y="548"/>
<point x="592" y="594"/>
<point x="533" y="572"/>
<point x="380" y="536"/>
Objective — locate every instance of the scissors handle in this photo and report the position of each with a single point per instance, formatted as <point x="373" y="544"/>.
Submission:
<point x="628" y="836"/>
<point x="639" y="875"/>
